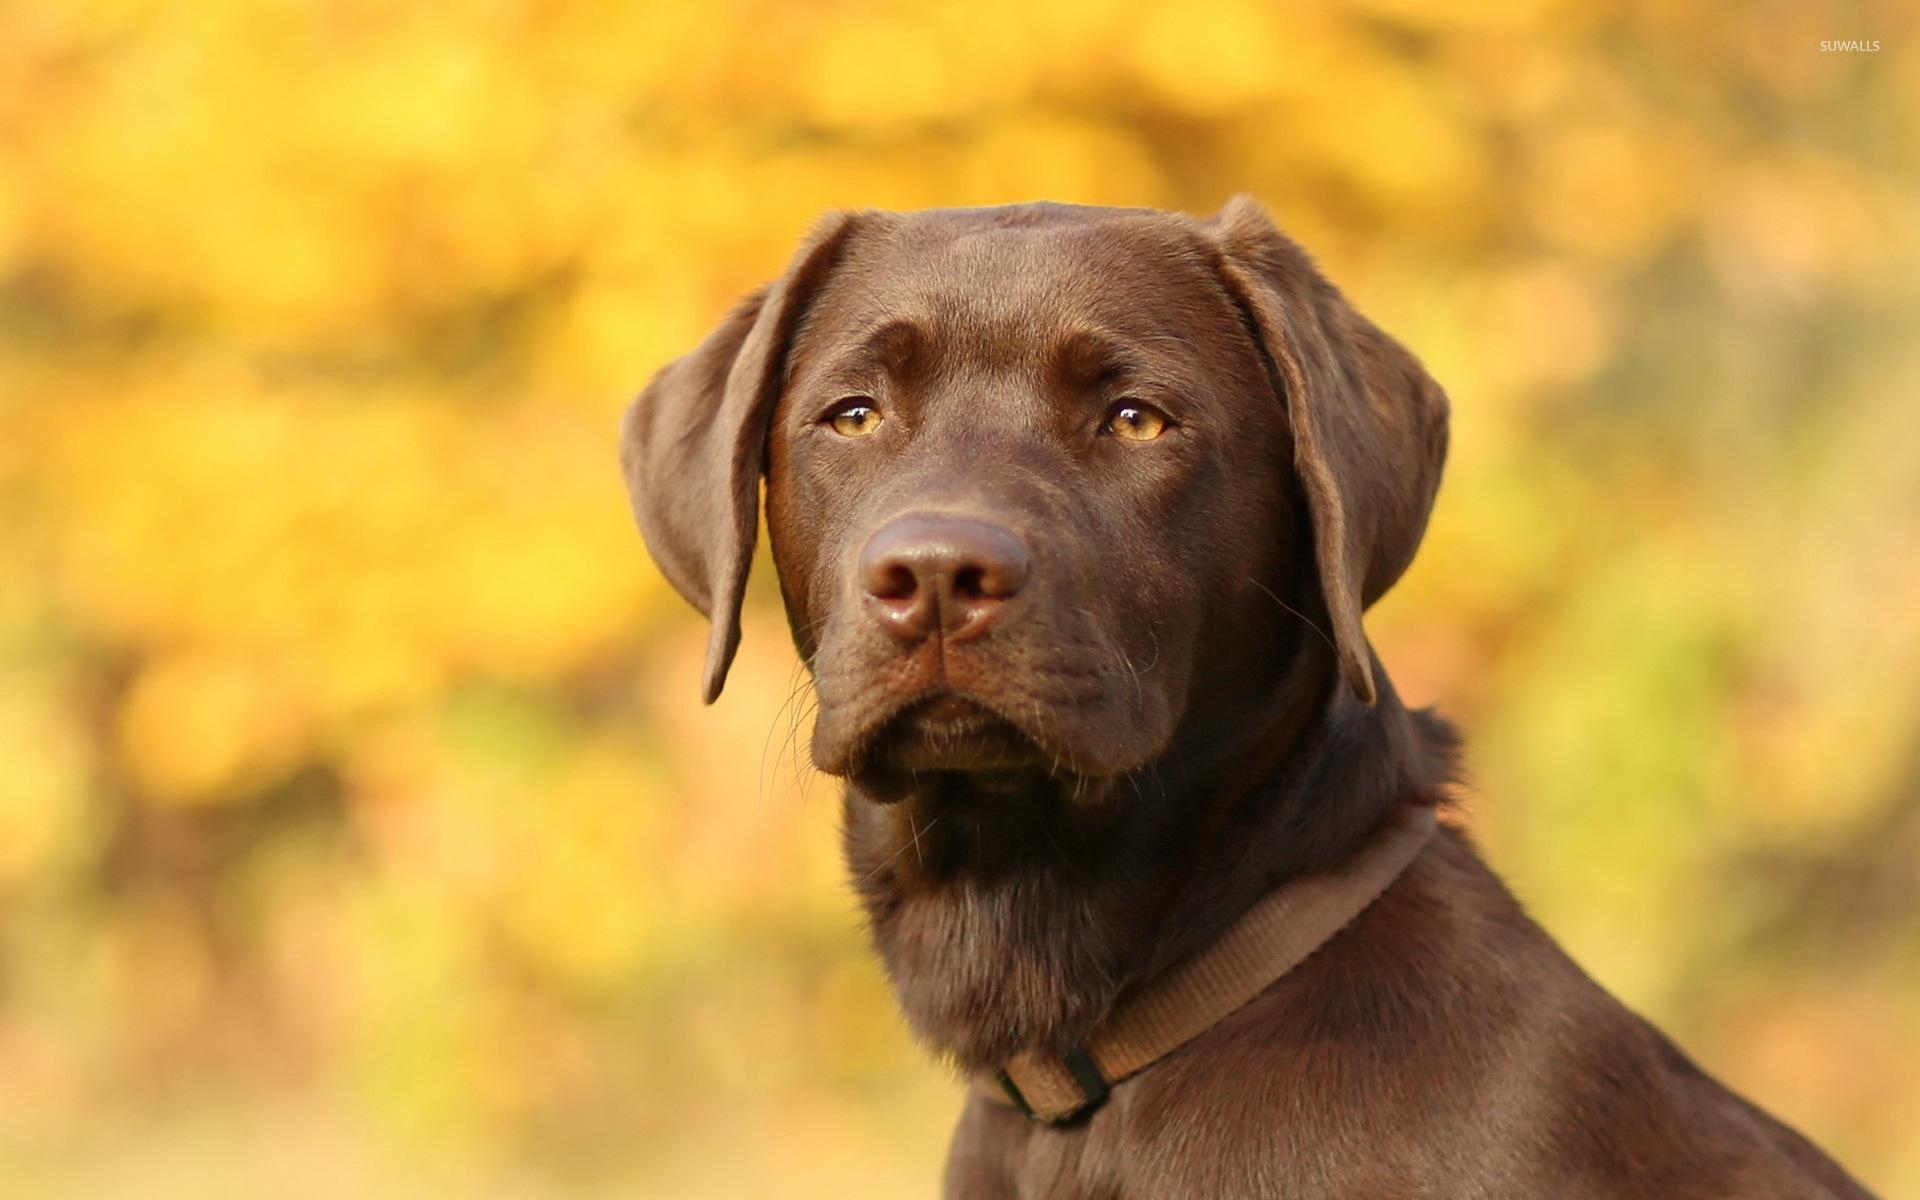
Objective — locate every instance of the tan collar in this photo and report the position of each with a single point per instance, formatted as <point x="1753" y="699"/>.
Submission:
<point x="1187" y="999"/>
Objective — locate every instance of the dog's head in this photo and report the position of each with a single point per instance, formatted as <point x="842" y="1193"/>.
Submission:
<point x="1040" y="480"/>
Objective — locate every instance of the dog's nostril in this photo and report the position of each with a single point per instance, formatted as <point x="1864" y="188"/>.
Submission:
<point x="892" y="581"/>
<point x="970" y="583"/>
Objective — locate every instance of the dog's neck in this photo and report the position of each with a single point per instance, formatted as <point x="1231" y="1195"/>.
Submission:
<point x="1016" y="919"/>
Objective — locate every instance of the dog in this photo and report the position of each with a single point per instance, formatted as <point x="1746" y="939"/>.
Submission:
<point x="1075" y="513"/>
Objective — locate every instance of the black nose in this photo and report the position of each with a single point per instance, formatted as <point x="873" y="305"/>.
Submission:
<point x="923" y="573"/>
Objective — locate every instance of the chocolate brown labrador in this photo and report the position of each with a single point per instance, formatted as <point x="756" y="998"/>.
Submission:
<point x="1075" y="512"/>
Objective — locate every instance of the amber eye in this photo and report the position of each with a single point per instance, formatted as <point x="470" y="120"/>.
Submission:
<point x="1136" y="422"/>
<point x="855" y="418"/>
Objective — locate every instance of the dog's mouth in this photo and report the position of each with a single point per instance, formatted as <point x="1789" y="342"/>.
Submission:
<point x="901" y="728"/>
<point x="950" y="732"/>
<point x="942" y="738"/>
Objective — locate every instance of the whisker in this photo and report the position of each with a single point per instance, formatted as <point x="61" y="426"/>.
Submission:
<point x="914" y="845"/>
<point x="796" y="688"/>
<point x="1296" y="612"/>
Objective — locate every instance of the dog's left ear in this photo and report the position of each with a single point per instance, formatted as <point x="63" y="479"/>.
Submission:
<point x="694" y="444"/>
<point x="1369" y="424"/>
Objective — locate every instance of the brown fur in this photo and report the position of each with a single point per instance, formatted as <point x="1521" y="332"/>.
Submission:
<point x="1170" y="709"/>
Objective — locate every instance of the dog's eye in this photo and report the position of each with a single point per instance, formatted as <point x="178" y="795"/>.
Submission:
<point x="1136" y="422"/>
<point x="854" y="418"/>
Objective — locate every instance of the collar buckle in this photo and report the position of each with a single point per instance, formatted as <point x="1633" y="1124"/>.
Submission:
<point x="1093" y="1089"/>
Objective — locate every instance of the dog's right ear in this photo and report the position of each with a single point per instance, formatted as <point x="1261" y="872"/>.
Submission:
<point x="693" y="445"/>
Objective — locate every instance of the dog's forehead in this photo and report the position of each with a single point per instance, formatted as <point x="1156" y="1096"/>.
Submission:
<point x="1025" y="270"/>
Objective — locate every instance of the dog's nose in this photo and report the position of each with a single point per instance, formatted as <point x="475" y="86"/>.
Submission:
<point x="923" y="573"/>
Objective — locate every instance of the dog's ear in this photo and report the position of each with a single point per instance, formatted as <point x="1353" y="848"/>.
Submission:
<point x="1369" y="425"/>
<point x="694" y="444"/>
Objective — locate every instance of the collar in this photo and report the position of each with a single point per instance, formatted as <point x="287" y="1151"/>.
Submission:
<point x="1190" y="997"/>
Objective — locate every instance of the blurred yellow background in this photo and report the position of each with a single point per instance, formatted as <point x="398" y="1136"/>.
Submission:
<point x="361" y="833"/>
